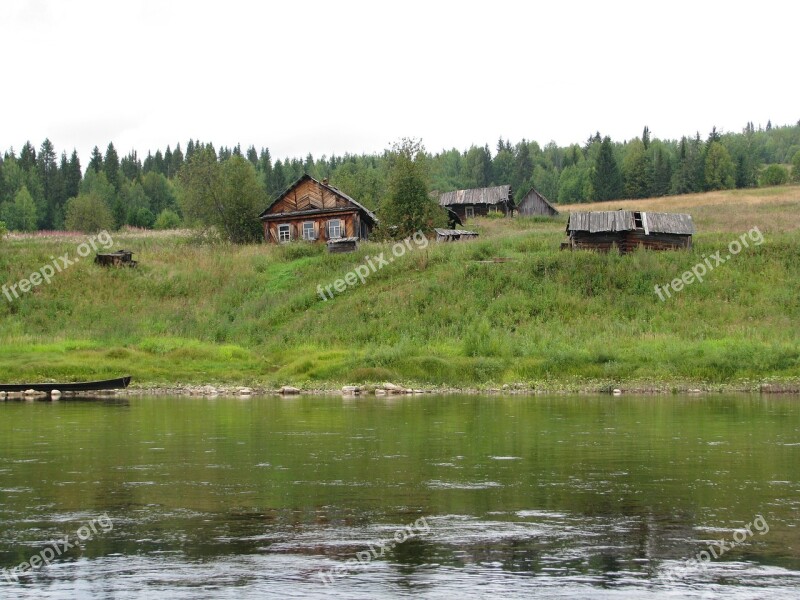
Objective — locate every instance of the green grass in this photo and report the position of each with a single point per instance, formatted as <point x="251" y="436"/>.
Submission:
<point x="437" y="316"/>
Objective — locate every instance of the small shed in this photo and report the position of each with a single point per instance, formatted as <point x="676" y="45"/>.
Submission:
<point x="533" y="203"/>
<point x="348" y="244"/>
<point x="479" y="201"/>
<point x="454" y="235"/>
<point x="120" y="258"/>
<point x="627" y="230"/>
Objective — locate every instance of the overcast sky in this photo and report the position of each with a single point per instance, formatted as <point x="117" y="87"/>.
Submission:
<point x="336" y="77"/>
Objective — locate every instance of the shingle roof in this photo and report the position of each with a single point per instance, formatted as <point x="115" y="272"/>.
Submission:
<point x="623" y="220"/>
<point x="330" y="188"/>
<point x="489" y="195"/>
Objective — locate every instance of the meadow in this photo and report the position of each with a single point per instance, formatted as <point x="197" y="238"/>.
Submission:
<point x="448" y="315"/>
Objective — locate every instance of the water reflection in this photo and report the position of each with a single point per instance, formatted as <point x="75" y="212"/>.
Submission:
<point x="555" y="496"/>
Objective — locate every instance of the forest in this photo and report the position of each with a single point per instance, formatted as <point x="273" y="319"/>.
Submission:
<point x="40" y="190"/>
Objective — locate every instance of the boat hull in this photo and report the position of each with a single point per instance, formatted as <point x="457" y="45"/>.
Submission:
<point x="119" y="383"/>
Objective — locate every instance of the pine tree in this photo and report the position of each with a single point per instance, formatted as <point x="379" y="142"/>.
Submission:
<point x="606" y="178"/>
<point x="27" y="157"/>
<point x="523" y="170"/>
<point x="47" y="167"/>
<point x="130" y="166"/>
<point x="158" y="163"/>
<point x="265" y="168"/>
<point x="646" y="137"/>
<point x="176" y="163"/>
<point x="73" y="176"/>
<point x="96" y="161"/>
<point x="111" y="166"/>
<point x="168" y="162"/>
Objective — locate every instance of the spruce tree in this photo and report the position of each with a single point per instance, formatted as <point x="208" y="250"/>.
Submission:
<point x="606" y="178"/>
<point x="96" y="161"/>
<point x="111" y="166"/>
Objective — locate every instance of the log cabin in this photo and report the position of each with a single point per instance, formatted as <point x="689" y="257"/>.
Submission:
<point x="479" y="202"/>
<point x="627" y="230"/>
<point x="317" y="212"/>
<point x="533" y="203"/>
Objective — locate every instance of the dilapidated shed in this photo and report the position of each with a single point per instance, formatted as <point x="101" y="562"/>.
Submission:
<point x="454" y="235"/>
<point x="629" y="229"/>
<point x="533" y="203"/>
<point x="479" y="201"/>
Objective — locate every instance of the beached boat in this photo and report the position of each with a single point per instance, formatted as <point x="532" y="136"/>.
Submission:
<point x="119" y="383"/>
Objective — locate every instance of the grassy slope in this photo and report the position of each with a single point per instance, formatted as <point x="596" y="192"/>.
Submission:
<point x="437" y="316"/>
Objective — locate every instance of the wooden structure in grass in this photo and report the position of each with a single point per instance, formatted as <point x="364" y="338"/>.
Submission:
<point x="120" y="258"/>
<point x="479" y="201"/>
<point x="313" y="210"/>
<point x="533" y="203"/>
<point x="627" y="230"/>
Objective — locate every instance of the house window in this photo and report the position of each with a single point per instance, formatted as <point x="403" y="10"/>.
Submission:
<point x="334" y="228"/>
<point x="308" y="230"/>
<point x="284" y="233"/>
<point x="469" y="212"/>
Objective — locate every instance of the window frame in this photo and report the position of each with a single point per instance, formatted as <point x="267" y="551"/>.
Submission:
<point x="312" y="233"/>
<point x="469" y="212"/>
<point x="339" y="226"/>
<point x="287" y="231"/>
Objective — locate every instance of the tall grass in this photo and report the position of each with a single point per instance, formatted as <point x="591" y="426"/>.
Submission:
<point x="441" y="315"/>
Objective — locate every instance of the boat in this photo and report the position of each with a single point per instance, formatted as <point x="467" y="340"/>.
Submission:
<point x="120" y="383"/>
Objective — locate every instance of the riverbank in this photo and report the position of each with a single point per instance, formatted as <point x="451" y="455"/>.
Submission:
<point x="517" y="389"/>
<point x="439" y="317"/>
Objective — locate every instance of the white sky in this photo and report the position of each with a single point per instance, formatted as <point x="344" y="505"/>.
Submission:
<point x="345" y="76"/>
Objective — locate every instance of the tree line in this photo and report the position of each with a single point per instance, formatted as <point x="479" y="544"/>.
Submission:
<point x="40" y="190"/>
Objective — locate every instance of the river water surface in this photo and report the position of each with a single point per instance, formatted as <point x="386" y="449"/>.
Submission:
<point x="430" y="497"/>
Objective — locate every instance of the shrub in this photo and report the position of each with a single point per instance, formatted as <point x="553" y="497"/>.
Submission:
<point x="796" y="167"/>
<point x="88" y="213"/>
<point x="3" y="230"/>
<point x="167" y="219"/>
<point x="774" y="175"/>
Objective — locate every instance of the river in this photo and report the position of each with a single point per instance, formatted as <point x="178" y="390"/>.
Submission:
<point x="423" y="497"/>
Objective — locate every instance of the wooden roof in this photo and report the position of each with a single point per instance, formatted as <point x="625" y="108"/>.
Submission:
<point x="450" y="232"/>
<point x="624" y="220"/>
<point x="330" y="188"/>
<point x="538" y="195"/>
<point x="491" y="195"/>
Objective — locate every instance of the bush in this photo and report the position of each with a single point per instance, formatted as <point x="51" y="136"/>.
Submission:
<point x="796" y="167"/>
<point x="3" y="230"/>
<point x="774" y="175"/>
<point x="167" y="219"/>
<point x="88" y="213"/>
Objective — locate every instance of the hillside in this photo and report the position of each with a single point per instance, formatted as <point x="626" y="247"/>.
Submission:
<point x="445" y="315"/>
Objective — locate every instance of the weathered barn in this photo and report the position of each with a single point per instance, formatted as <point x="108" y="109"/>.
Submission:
<point x="315" y="211"/>
<point x="627" y="230"/>
<point x="479" y="202"/>
<point x="454" y="235"/>
<point x="533" y="203"/>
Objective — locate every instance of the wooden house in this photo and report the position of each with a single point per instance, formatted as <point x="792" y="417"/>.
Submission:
<point x="479" y="202"/>
<point x="315" y="211"/>
<point x="533" y="203"/>
<point x="627" y="230"/>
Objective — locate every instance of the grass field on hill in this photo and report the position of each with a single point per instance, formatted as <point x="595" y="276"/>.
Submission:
<point x="445" y="315"/>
